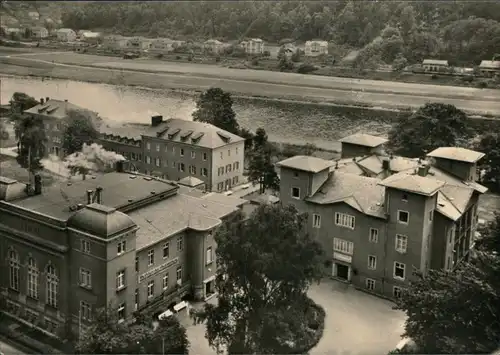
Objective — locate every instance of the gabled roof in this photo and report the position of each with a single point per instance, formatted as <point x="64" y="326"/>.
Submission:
<point x="190" y="181"/>
<point x="490" y="64"/>
<point x="55" y="108"/>
<point x="406" y="181"/>
<point x="456" y="153"/>
<point x="435" y="62"/>
<point x="360" y="192"/>
<point x="306" y="163"/>
<point x="365" y="140"/>
<point x="373" y="164"/>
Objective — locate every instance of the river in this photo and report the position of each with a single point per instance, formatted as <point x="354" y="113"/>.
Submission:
<point x="284" y="122"/>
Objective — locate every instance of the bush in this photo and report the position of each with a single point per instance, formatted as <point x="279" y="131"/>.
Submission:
<point x="296" y="56"/>
<point x="178" y="57"/>
<point x="190" y="58"/>
<point x="255" y="61"/>
<point x="434" y="76"/>
<point x="467" y="78"/>
<point x="217" y="59"/>
<point x="159" y="56"/>
<point x="482" y="84"/>
<point x="306" y="68"/>
<point x="266" y="54"/>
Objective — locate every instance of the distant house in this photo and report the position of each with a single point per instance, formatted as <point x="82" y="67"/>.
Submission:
<point x="162" y="45"/>
<point x="316" y="48"/>
<point x="490" y="67"/>
<point x="253" y="46"/>
<point x="139" y="43"/>
<point x="91" y="37"/>
<point x="34" y="15"/>
<point x="39" y="32"/>
<point x="213" y="46"/>
<point x="66" y="35"/>
<point x="115" y="42"/>
<point x="434" y="65"/>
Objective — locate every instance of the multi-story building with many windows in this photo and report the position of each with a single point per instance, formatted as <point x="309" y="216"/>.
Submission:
<point x="134" y="241"/>
<point x="175" y="149"/>
<point x="380" y="218"/>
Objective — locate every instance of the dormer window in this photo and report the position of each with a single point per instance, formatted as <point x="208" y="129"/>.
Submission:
<point x="404" y="198"/>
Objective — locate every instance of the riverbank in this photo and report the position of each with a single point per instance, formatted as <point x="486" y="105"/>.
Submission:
<point x="255" y="84"/>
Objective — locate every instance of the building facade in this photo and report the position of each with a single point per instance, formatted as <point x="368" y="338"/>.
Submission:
<point x="213" y="46"/>
<point x="66" y="35"/>
<point x="175" y="149"/>
<point x="436" y="66"/>
<point x="69" y="250"/>
<point x="54" y="113"/>
<point x="316" y="48"/>
<point x="489" y="68"/>
<point x="39" y="32"/>
<point x="381" y="218"/>
<point x="253" y="46"/>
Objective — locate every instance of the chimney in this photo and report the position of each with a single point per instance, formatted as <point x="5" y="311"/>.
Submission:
<point x="89" y="196"/>
<point x="38" y="184"/>
<point x="98" y="192"/>
<point x="423" y="170"/>
<point x="47" y="99"/>
<point x="119" y="166"/>
<point x="156" y="120"/>
<point x="41" y="100"/>
<point x="386" y="165"/>
<point x="66" y="100"/>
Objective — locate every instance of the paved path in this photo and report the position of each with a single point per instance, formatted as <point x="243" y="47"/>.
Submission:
<point x="288" y="85"/>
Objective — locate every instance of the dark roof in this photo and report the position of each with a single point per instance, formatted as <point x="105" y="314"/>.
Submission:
<point x="306" y="163"/>
<point x="11" y="189"/>
<point x="176" y="130"/>
<point x="55" y="108"/>
<point x="119" y="190"/>
<point x="456" y="153"/>
<point x="100" y="220"/>
<point x="365" y="140"/>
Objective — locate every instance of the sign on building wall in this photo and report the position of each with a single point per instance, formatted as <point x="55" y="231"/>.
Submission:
<point x="157" y="269"/>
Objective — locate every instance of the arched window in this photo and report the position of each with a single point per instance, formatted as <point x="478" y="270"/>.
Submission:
<point x="52" y="286"/>
<point x="14" y="269"/>
<point x="33" y="276"/>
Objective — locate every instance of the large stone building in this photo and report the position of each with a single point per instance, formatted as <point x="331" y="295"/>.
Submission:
<point x="379" y="217"/>
<point x="134" y="241"/>
<point x="175" y="149"/>
<point x="54" y="113"/>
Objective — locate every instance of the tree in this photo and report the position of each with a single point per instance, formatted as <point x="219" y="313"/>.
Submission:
<point x="266" y="264"/>
<point x="461" y="307"/>
<point x="490" y="237"/>
<point x="260" y="139"/>
<point x="284" y="64"/>
<point x="490" y="144"/>
<point x="79" y="129"/>
<point x="262" y="171"/>
<point x="296" y="56"/>
<point x="21" y="102"/>
<point x="92" y="157"/>
<point x="245" y="133"/>
<point x="31" y="143"/>
<point x="215" y="106"/>
<point x="431" y="126"/>
<point x="399" y="63"/>
<point x="170" y="338"/>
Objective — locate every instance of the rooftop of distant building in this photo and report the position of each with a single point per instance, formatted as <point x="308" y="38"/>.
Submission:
<point x="55" y="108"/>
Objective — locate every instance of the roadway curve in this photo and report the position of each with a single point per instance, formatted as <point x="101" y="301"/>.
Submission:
<point x="386" y="94"/>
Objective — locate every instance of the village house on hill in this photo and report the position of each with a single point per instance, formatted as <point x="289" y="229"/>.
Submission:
<point x="490" y="68"/>
<point x="316" y="48"/>
<point x="435" y="65"/>
<point x="175" y="149"/>
<point x="39" y="32"/>
<point x="66" y="35"/>
<point x="253" y="46"/>
<point x="391" y="214"/>
<point x="213" y="46"/>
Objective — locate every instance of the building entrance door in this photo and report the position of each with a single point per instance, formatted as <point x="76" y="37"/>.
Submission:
<point x="342" y="271"/>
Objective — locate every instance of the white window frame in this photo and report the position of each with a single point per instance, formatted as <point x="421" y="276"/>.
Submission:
<point x="52" y="287"/>
<point x="343" y="246"/>
<point x="209" y="256"/>
<point x="316" y="220"/>
<point x="33" y="278"/>
<point x="396" y="291"/>
<point x="148" y="159"/>
<point x="121" y="247"/>
<point x="85" y="278"/>
<point x="151" y="288"/>
<point x="372" y="266"/>
<point x="181" y="167"/>
<point x="85" y="246"/>
<point x="193" y="154"/>
<point x="14" y="266"/>
<point x="157" y="147"/>
<point x="166" y="246"/>
<point x="85" y="310"/>
<point x="399" y="265"/>
<point x="164" y="282"/>
<point x="291" y="193"/>
<point x="345" y="220"/>
<point x="158" y="162"/>
<point x="399" y="215"/>
<point x="181" y="152"/>
<point x="180" y="243"/>
<point x="369" y="282"/>
<point x="373" y="235"/>
<point x="148" y="146"/>
<point x="401" y="243"/>
<point x="204" y="171"/>
<point x="121" y="309"/>
<point x="151" y="257"/>
<point x="178" y="273"/>
<point x="120" y="280"/>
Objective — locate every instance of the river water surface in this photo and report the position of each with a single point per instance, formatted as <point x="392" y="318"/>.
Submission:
<point x="284" y="122"/>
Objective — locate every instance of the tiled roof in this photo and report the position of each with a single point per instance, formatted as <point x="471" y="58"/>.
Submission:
<point x="490" y="64"/>
<point x="119" y="189"/>
<point x="361" y="193"/>
<point x="373" y="163"/>
<point x="306" y="163"/>
<point x="55" y="108"/>
<point x="366" y="140"/>
<point x="456" y="153"/>
<point x="413" y="183"/>
<point x="184" y="212"/>
<point x="347" y="166"/>
<point x="206" y="135"/>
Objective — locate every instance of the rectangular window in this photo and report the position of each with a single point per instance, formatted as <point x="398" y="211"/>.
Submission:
<point x="166" y="148"/>
<point x="295" y="192"/>
<point x="165" y="282"/>
<point x="173" y="150"/>
<point x="181" y="167"/>
<point x="157" y="147"/>
<point x="179" y="273"/>
<point x="396" y="292"/>
<point x="148" y="146"/>
<point x="85" y="310"/>
<point x="120" y="280"/>
<point x="431" y="213"/>
<point x="228" y="168"/>
<point x="136" y="299"/>
<point x="316" y="220"/>
<point x="136" y="264"/>
<point x="370" y="284"/>
<point x="121" y="312"/>
<point x="229" y="152"/>
<point x="401" y="243"/>
<point x="221" y="155"/>
<point x="344" y="220"/>
<point x="343" y="246"/>
<point x="204" y="156"/>
<point x="151" y="257"/>
<point x="121" y="247"/>
<point x="182" y="152"/>
<point x="151" y="288"/>
<point x="193" y="155"/>
<point x="166" y="250"/>
<point x="372" y="262"/>
<point x="236" y="150"/>
<point x="85" y="278"/>
<point x="373" y="235"/>
<point x="404" y="198"/>
<point x="403" y="217"/>
<point x="204" y="172"/>
<point x="180" y="243"/>
<point x="85" y="246"/>
<point x="148" y="159"/>
<point x="209" y="255"/>
<point x="399" y="270"/>
<point x="158" y="162"/>
<point x="192" y="170"/>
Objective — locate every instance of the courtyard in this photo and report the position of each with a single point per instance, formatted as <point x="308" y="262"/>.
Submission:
<point x="356" y="323"/>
